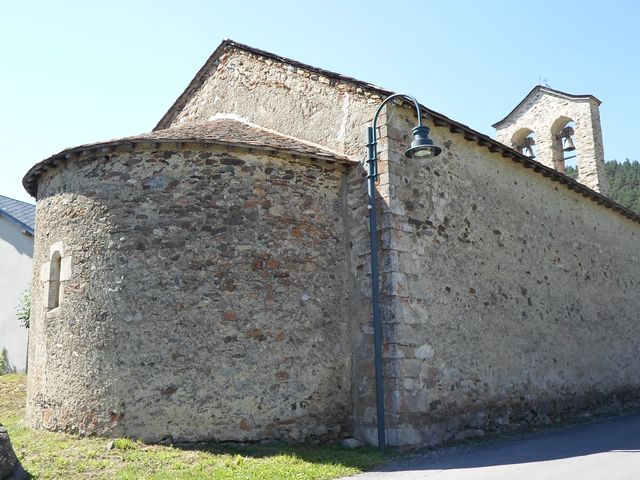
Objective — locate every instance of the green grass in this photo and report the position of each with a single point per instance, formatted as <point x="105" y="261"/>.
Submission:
<point x="48" y="455"/>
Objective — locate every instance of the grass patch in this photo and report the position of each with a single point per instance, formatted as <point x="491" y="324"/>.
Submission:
<point x="48" y="455"/>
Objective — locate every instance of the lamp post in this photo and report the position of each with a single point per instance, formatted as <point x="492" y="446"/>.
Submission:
<point x="421" y="147"/>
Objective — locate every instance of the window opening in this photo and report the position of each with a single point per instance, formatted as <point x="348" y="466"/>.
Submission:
<point x="566" y="137"/>
<point x="524" y="140"/>
<point x="53" y="299"/>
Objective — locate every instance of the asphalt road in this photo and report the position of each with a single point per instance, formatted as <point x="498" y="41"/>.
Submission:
<point x="607" y="449"/>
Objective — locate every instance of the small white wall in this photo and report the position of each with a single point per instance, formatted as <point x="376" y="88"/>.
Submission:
<point x="16" y="252"/>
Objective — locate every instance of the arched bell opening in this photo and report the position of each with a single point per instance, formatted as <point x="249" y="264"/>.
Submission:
<point x="565" y="154"/>
<point x="524" y="140"/>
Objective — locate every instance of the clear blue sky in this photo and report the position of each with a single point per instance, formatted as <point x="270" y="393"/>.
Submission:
<point x="75" y="72"/>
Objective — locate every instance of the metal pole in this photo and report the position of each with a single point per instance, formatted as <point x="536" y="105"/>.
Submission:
<point x="372" y="163"/>
<point x="375" y="287"/>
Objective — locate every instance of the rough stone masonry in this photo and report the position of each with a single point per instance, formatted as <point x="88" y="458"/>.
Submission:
<point x="173" y="322"/>
<point x="210" y="280"/>
<point x="543" y="113"/>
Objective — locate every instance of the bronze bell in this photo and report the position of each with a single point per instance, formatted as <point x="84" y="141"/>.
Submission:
<point x="528" y="151"/>
<point x="527" y="147"/>
<point x="567" y="144"/>
<point x="567" y="141"/>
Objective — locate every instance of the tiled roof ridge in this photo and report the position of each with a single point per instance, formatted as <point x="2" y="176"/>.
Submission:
<point x="221" y="117"/>
<point x="546" y="89"/>
<point x="16" y="200"/>
<point x="226" y="45"/>
<point x="439" y="120"/>
<point x="238" y="118"/>
<point x="262" y="139"/>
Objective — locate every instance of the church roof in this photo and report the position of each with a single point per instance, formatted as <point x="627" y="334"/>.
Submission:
<point x="190" y="133"/>
<point x="550" y="91"/>
<point x="233" y="130"/>
<point x="21" y="213"/>
<point x="225" y="130"/>
<point x="439" y="119"/>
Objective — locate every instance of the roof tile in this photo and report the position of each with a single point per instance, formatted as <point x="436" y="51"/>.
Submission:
<point x="233" y="130"/>
<point x="20" y="212"/>
<point x="221" y="130"/>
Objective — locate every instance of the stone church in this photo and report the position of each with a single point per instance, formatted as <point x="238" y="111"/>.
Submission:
<point x="210" y="280"/>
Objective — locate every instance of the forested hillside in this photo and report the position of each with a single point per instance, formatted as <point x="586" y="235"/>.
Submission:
<point x="624" y="182"/>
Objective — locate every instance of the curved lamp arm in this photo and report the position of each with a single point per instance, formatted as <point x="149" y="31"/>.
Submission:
<point x="373" y="144"/>
<point x="394" y="96"/>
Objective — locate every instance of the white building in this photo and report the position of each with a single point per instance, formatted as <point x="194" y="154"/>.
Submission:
<point x="16" y="251"/>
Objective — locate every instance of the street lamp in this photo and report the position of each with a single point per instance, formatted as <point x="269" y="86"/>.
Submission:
<point x="422" y="147"/>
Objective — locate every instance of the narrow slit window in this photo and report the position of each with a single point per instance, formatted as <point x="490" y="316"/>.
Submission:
<point x="54" y="281"/>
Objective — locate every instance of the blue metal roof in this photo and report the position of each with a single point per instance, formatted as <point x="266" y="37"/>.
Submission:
<point x="22" y="213"/>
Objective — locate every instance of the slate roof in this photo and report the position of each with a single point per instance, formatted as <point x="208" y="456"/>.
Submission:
<point x="226" y="130"/>
<point x="22" y="213"/>
<point x="549" y="90"/>
<point x="30" y="181"/>
<point x="232" y="130"/>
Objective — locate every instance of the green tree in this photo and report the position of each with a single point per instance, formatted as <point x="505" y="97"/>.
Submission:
<point x="24" y="308"/>
<point x="624" y="183"/>
<point x="5" y="364"/>
<point x="571" y="171"/>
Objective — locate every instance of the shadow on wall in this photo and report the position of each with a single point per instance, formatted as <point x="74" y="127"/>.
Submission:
<point x="23" y="244"/>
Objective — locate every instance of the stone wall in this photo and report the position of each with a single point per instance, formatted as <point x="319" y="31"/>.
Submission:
<point x="546" y="114"/>
<point x="329" y="112"/>
<point x="507" y="298"/>
<point x="287" y="99"/>
<point x="504" y="293"/>
<point x="207" y="297"/>
<point x="513" y="302"/>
